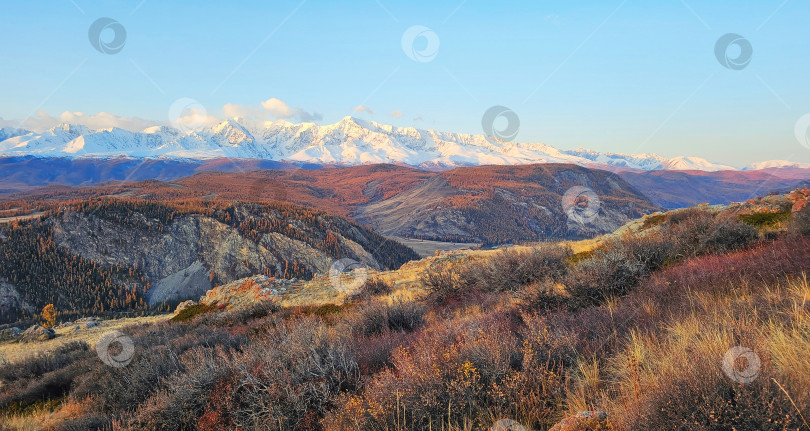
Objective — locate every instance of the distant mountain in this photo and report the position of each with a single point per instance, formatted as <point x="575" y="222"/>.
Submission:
<point x="350" y="141"/>
<point x="776" y="164"/>
<point x="679" y="189"/>
<point x="486" y="204"/>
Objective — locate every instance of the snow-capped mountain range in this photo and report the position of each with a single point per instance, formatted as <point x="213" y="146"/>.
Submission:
<point x="350" y="141"/>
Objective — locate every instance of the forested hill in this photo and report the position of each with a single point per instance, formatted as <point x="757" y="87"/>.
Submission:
<point x="123" y="254"/>
<point x="486" y="204"/>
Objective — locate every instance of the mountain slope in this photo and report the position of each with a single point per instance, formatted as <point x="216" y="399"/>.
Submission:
<point x="487" y="204"/>
<point x="120" y="254"/>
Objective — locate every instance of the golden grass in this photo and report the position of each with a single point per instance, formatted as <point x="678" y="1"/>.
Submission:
<point x="13" y="352"/>
<point x="773" y="321"/>
<point x="47" y="415"/>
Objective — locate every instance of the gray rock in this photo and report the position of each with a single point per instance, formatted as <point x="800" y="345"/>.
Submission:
<point x="92" y="324"/>
<point x="190" y="282"/>
<point x="37" y="333"/>
<point x="179" y="259"/>
<point x="10" y="334"/>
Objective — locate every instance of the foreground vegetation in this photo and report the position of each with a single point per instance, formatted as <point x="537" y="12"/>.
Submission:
<point x="637" y="327"/>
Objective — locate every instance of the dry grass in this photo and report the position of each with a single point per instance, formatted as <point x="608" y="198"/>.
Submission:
<point x="13" y="352"/>
<point x="684" y="358"/>
<point x="47" y="416"/>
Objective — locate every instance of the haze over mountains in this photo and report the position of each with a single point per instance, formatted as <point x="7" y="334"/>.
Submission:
<point x="350" y="141"/>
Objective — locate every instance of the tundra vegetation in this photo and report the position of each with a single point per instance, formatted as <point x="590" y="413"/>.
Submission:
<point x="636" y="326"/>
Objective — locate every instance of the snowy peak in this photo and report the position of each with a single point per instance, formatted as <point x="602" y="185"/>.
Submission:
<point x="769" y="164"/>
<point x="11" y="132"/>
<point x="693" y="164"/>
<point x="350" y="141"/>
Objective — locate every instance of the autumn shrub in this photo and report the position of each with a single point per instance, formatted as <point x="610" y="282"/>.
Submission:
<point x="617" y="266"/>
<point x="453" y="369"/>
<point x="405" y="316"/>
<point x="89" y="422"/>
<point x="52" y="385"/>
<point x="377" y="317"/>
<point x="508" y="270"/>
<point x="186" y="397"/>
<point x="443" y="283"/>
<point x="728" y="235"/>
<point x="698" y="232"/>
<point x="609" y="272"/>
<point x="373" y="287"/>
<point x="292" y="387"/>
<point x="686" y="214"/>
<point x="157" y="349"/>
<point x="541" y="296"/>
<point x="374" y="352"/>
<point x="371" y="318"/>
<point x="255" y="310"/>
<point x="42" y="377"/>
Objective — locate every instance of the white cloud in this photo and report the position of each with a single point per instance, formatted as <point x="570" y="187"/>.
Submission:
<point x="271" y="109"/>
<point x="232" y="110"/>
<point x="397" y="114"/>
<point x="363" y="108"/>
<point x="277" y="108"/>
<point x="194" y="119"/>
<point x="191" y="117"/>
<point x="42" y="121"/>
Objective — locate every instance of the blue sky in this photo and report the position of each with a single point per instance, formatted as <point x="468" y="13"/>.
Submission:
<point x="615" y="76"/>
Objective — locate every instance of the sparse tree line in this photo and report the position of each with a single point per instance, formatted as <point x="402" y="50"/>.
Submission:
<point x="45" y="273"/>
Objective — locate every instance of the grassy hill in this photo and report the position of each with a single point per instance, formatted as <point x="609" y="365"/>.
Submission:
<point x="697" y="316"/>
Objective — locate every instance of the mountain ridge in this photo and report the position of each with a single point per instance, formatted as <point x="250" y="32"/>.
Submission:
<point x="350" y="141"/>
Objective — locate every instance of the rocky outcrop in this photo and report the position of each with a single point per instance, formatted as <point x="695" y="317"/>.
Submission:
<point x="241" y="293"/>
<point x="37" y="333"/>
<point x="191" y="282"/>
<point x="10" y="334"/>
<point x="11" y="302"/>
<point x="183" y="257"/>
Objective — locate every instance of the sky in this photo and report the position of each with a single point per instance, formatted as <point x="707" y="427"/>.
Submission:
<point x="608" y="75"/>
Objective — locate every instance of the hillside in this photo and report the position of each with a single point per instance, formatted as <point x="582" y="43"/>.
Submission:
<point x="122" y="255"/>
<point x="695" y="316"/>
<point x="488" y="204"/>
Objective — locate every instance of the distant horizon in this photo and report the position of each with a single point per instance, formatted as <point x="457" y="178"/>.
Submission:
<point x="93" y="125"/>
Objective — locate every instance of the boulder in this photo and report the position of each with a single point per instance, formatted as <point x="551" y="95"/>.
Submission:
<point x="10" y="334"/>
<point x="584" y="421"/>
<point x="63" y="325"/>
<point x="92" y="324"/>
<point x="37" y="333"/>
